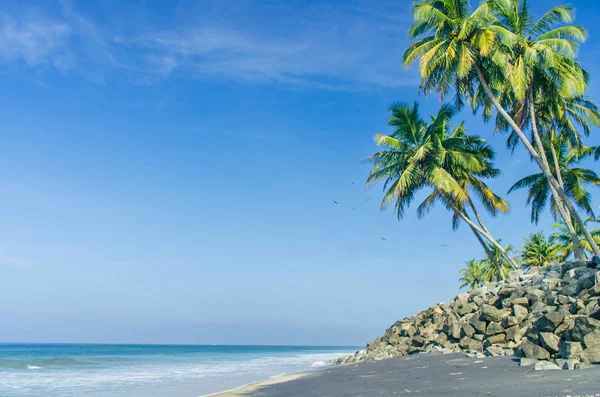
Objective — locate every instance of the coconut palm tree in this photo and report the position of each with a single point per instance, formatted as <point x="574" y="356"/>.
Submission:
<point x="563" y="238"/>
<point x="474" y="274"/>
<point x="538" y="251"/>
<point x="498" y="266"/>
<point x="493" y="59"/>
<point x="420" y="155"/>
<point x="574" y="179"/>
<point x="546" y="84"/>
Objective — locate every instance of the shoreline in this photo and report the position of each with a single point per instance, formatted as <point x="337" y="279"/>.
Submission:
<point x="244" y="390"/>
<point x="429" y="374"/>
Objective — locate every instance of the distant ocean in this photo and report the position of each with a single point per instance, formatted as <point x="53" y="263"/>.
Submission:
<point x="52" y="370"/>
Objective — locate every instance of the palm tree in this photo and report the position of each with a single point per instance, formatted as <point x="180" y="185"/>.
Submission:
<point x="420" y="155"/>
<point x="494" y="59"/>
<point x="474" y="274"/>
<point x="538" y="251"/>
<point x="498" y="266"/>
<point x="573" y="178"/>
<point x="563" y="238"/>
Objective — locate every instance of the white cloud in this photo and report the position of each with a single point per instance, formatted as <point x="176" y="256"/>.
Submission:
<point x="350" y="46"/>
<point x="33" y="39"/>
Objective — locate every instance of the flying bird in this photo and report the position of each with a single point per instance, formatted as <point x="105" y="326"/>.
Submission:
<point x="336" y="202"/>
<point x="353" y="209"/>
<point x="368" y="200"/>
<point x="384" y="239"/>
<point x="353" y="183"/>
<point x="443" y="245"/>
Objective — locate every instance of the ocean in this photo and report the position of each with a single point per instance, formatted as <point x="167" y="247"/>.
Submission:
<point x="74" y="370"/>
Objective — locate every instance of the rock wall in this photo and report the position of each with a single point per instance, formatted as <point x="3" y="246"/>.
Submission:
<point x="549" y="313"/>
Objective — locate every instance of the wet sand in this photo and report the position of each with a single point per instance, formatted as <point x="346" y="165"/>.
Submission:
<point x="430" y="375"/>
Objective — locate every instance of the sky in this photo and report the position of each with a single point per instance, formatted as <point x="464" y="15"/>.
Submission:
<point x="168" y="173"/>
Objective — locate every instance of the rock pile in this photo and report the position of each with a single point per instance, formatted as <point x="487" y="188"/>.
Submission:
<point x="549" y="313"/>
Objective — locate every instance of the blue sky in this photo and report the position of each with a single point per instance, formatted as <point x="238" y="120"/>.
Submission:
<point x="168" y="172"/>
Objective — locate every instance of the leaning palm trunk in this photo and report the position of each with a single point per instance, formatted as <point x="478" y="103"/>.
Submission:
<point x="545" y="169"/>
<point x="566" y="215"/>
<point x="484" y="233"/>
<point x="489" y="253"/>
<point x="487" y="250"/>
<point x="578" y="250"/>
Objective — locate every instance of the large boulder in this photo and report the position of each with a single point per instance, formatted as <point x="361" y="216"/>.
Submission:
<point x="491" y="313"/>
<point x="531" y="350"/>
<point x="570" y="350"/>
<point x="550" y="321"/>
<point x="470" y="344"/>
<point x="550" y="342"/>
<point x="582" y="326"/>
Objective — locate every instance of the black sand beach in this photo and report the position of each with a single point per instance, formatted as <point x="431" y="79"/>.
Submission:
<point x="436" y="375"/>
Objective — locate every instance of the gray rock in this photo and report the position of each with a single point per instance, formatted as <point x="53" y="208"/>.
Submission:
<point x="477" y="324"/>
<point x="582" y="326"/>
<point x="515" y="333"/>
<point x="470" y="344"/>
<point x="462" y="307"/>
<point x="418" y="341"/>
<point x="546" y="366"/>
<point x="454" y="331"/>
<point x="592" y="339"/>
<point x="526" y="362"/>
<point x="441" y="340"/>
<point x="520" y="301"/>
<point x="573" y="265"/>
<point x="586" y="282"/>
<point x="539" y="308"/>
<point x="569" y="289"/>
<point x="566" y="326"/>
<point x="550" y="342"/>
<point x="495" y="351"/>
<point x="515" y="275"/>
<point x="491" y="313"/>
<point x="520" y="312"/>
<point x="535" y="295"/>
<point x="591" y="355"/>
<point x="494" y="328"/>
<point x="495" y="339"/>
<point x="467" y="330"/>
<point x="511" y="321"/>
<point x="568" y="365"/>
<point x="531" y="350"/>
<point x="570" y="350"/>
<point x="550" y="321"/>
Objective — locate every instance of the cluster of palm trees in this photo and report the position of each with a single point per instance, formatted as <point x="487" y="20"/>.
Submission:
<point x="537" y="250"/>
<point x="520" y="73"/>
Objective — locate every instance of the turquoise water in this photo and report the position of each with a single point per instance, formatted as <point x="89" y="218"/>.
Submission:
<point x="147" y="370"/>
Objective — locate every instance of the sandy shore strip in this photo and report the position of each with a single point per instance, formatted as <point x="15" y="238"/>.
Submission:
<point x="246" y="390"/>
<point x="452" y="375"/>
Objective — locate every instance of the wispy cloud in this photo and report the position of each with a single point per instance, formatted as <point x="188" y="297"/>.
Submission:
<point x="32" y="39"/>
<point x="10" y="260"/>
<point x="350" y="45"/>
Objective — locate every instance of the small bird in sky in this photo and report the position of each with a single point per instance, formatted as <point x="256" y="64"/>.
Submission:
<point x="368" y="200"/>
<point x="353" y="183"/>
<point x="384" y="239"/>
<point x="336" y="202"/>
<point x="353" y="209"/>
<point x="443" y="245"/>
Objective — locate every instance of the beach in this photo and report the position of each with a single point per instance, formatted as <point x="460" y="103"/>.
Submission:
<point x="451" y="375"/>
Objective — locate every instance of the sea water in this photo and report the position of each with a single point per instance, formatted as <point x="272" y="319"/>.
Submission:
<point x="53" y="370"/>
